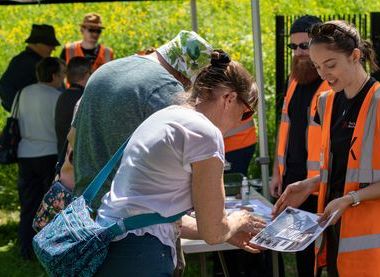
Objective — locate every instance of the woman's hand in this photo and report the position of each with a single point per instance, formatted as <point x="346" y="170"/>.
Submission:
<point x="294" y="195"/>
<point x="339" y="205"/>
<point x="242" y="240"/>
<point x="249" y="223"/>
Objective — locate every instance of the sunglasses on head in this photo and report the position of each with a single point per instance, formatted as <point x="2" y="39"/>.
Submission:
<point x="302" y="45"/>
<point x="98" y="31"/>
<point x="248" y="113"/>
<point x="328" y="29"/>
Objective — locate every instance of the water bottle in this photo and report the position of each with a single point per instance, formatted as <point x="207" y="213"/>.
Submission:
<point x="244" y="191"/>
<point x="227" y="166"/>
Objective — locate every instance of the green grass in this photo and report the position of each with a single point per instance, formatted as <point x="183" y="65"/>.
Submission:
<point x="132" y="26"/>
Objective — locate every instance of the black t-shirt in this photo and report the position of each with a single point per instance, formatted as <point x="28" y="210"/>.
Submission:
<point x="298" y="112"/>
<point x="344" y="115"/>
<point x="89" y="54"/>
<point x="64" y="110"/>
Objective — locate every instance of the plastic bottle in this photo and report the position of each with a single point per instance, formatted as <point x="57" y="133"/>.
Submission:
<point x="244" y="191"/>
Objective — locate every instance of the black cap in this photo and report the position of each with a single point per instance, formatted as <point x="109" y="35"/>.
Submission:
<point x="43" y="34"/>
<point x="304" y="23"/>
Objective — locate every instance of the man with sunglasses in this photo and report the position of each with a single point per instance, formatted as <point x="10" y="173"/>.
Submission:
<point x="98" y="54"/>
<point x="299" y="138"/>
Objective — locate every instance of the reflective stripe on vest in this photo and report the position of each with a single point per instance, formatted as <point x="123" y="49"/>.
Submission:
<point x="360" y="230"/>
<point x="312" y="133"/>
<point x="70" y="53"/>
<point x="240" y="137"/>
<point x="107" y="54"/>
<point x="359" y="243"/>
<point x="325" y="104"/>
<point x="239" y="129"/>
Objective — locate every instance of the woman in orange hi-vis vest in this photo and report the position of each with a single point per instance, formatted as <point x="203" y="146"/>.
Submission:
<point x="349" y="180"/>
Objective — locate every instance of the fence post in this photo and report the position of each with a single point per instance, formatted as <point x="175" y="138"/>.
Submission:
<point x="280" y="58"/>
<point x="375" y="37"/>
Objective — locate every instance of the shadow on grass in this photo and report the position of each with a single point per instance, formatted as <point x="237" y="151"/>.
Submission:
<point x="11" y="264"/>
<point x="8" y="188"/>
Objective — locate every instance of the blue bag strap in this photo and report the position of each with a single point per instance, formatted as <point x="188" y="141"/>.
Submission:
<point x="143" y="220"/>
<point x="93" y="188"/>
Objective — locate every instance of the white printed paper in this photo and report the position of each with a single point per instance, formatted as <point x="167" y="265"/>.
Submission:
<point x="293" y="230"/>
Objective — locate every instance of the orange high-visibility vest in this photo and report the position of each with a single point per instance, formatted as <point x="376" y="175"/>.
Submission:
<point x="240" y="137"/>
<point x="313" y="132"/>
<point x="74" y="49"/>
<point x="359" y="243"/>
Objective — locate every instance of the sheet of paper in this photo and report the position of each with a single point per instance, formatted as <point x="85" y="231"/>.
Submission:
<point x="293" y="230"/>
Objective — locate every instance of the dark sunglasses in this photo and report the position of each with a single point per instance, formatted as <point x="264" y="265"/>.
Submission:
<point x="246" y="114"/>
<point x="98" y="31"/>
<point x="302" y="45"/>
<point x="328" y="29"/>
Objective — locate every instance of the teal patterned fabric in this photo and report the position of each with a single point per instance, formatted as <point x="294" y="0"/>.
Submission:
<point x="188" y="53"/>
<point x="73" y="244"/>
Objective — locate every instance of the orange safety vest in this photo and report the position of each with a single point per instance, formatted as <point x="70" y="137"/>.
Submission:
<point x="74" y="49"/>
<point x="313" y="132"/>
<point x="359" y="243"/>
<point x="240" y="137"/>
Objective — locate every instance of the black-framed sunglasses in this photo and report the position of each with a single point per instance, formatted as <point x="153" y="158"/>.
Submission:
<point x="328" y="29"/>
<point x="302" y="45"/>
<point x="97" y="31"/>
<point x="246" y="114"/>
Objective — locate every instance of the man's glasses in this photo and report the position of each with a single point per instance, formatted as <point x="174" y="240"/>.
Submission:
<point x="248" y="113"/>
<point x="97" y="31"/>
<point x="302" y="45"/>
<point x="328" y="29"/>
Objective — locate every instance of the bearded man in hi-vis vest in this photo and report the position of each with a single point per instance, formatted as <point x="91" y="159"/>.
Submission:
<point x="299" y="137"/>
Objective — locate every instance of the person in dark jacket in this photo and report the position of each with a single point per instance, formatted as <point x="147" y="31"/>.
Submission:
<point x="21" y="71"/>
<point x="78" y="72"/>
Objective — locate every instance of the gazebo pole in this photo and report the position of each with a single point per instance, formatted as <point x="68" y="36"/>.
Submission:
<point x="263" y="139"/>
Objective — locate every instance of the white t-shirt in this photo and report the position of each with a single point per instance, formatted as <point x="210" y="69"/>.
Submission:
<point x="36" y="121"/>
<point x="155" y="170"/>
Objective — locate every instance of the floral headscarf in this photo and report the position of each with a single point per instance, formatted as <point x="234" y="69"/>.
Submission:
<point x="188" y="53"/>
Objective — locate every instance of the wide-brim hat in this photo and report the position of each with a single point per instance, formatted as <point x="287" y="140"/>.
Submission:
<point x="188" y="53"/>
<point x="92" y="20"/>
<point x="44" y="34"/>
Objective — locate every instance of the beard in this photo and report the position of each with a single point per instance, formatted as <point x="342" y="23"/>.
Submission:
<point x="303" y="70"/>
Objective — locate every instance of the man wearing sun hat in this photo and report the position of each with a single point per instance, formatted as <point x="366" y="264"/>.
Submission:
<point x="21" y="71"/>
<point x="91" y="29"/>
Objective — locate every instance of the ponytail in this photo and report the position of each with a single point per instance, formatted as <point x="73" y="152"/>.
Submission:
<point x="368" y="54"/>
